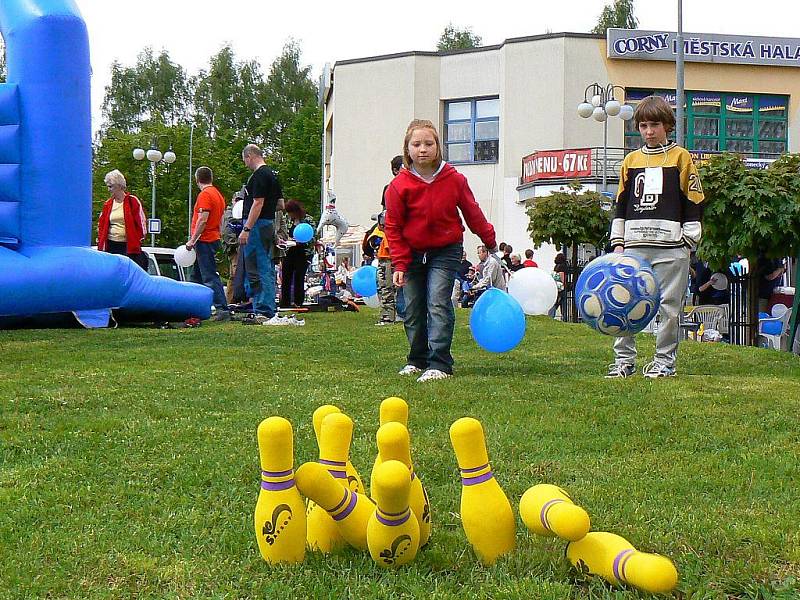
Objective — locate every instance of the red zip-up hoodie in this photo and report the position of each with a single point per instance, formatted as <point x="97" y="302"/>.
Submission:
<point x="423" y="216"/>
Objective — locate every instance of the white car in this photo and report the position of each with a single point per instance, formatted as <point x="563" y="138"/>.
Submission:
<point x="161" y="261"/>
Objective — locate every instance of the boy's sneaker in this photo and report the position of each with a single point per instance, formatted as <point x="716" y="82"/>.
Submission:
<point x="295" y="322"/>
<point x="620" y="370"/>
<point x="431" y="374"/>
<point x="657" y="369"/>
<point x="409" y="370"/>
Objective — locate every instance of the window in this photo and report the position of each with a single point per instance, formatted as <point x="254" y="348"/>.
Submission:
<point x="472" y="130"/>
<point x="715" y="122"/>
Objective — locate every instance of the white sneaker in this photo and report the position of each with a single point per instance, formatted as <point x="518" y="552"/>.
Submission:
<point x="431" y="374"/>
<point x="295" y="322"/>
<point x="276" y="320"/>
<point x="409" y="370"/>
<point x="657" y="369"/>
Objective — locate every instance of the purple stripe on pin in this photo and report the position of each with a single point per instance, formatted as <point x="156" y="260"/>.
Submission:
<point x="474" y="469"/>
<point x="338" y="474"/>
<point x="619" y="558"/>
<point x="333" y="463"/>
<point x="276" y="473"/>
<point x="545" y="509"/>
<point x="277" y="487"/>
<point x="346" y="512"/>
<point x="338" y="506"/>
<point x="475" y="480"/>
<point x="390" y="522"/>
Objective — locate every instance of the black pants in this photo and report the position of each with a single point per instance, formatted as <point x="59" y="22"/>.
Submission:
<point x="293" y="277"/>
<point x="122" y="248"/>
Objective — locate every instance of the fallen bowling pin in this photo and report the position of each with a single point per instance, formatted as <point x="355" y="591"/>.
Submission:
<point x="349" y="510"/>
<point x="280" y="518"/>
<point x="616" y="560"/>
<point x="393" y="535"/>
<point x="394" y="443"/>
<point x="548" y="510"/>
<point x="486" y="513"/>
<point x="393" y="409"/>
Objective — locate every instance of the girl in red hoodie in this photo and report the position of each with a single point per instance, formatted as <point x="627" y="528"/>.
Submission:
<point x="426" y="234"/>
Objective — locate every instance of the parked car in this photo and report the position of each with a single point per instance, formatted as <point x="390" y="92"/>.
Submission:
<point x="161" y="261"/>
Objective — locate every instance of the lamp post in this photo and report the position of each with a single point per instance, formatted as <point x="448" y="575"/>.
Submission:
<point x="154" y="155"/>
<point x="600" y="103"/>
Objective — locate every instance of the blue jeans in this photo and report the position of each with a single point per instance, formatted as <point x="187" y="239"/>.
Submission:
<point x="400" y="302"/>
<point x="260" y="268"/>
<point x="205" y="271"/>
<point x="429" y="315"/>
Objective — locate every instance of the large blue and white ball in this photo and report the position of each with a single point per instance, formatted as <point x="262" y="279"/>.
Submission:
<point x="617" y="294"/>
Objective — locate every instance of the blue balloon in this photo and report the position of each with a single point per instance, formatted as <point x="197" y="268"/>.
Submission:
<point x="497" y="321"/>
<point x="303" y="233"/>
<point x="365" y="281"/>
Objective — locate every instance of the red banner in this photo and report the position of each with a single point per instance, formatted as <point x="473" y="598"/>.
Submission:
<point x="557" y="164"/>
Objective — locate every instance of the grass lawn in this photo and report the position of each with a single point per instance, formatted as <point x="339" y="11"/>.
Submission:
<point x="129" y="464"/>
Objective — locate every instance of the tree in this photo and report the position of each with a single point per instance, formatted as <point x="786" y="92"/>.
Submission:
<point x="227" y="96"/>
<point x="154" y="89"/>
<point x="750" y="212"/>
<point x="301" y="165"/>
<point x="620" y="14"/>
<point x="288" y="89"/>
<point x="455" y="38"/>
<point x="568" y="218"/>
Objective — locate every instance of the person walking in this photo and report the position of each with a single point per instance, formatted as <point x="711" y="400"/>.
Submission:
<point x="205" y="239"/>
<point x="264" y="196"/>
<point x="425" y="235"/>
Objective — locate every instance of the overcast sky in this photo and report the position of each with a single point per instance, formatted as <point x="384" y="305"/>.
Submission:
<point x="257" y="29"/>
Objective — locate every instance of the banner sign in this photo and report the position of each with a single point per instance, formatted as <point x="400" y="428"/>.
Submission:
<point x="557" y="164"/>
<point x="700" y="157"/>
<point x="704" y="47"/>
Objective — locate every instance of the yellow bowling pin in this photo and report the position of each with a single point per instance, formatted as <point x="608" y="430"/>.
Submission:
<point x="353" y="478"/>
<point x="486" y="513"/>
<point x="549" y="511"/>
<point x="349" y="510"/>
<point x="393" y="530"/>
<point x="393" y="409"/>
<point x="280" y="518"/>
<point x="394" y="444"/>
<point x="616" y="560"/>
<point x="323" y="535"/>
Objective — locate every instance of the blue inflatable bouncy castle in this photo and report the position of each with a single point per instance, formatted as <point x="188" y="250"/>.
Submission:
<point x="46" y="263"/>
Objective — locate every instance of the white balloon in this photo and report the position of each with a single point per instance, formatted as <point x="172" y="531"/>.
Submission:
<point x="534" y="289"/>
<point x="373" y="301"/>
<point x="184" y="257"/>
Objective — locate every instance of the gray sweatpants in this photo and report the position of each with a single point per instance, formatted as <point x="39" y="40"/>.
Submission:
<point x="671" y="266"/>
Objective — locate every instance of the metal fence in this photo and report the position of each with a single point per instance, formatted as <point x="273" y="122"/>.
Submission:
<point x="739" y="323"/>
<point x="567" y="308"/>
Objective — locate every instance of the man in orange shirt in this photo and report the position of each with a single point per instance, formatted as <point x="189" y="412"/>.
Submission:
<point x="205" y="238"/>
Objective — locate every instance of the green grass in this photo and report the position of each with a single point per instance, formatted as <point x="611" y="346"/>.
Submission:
<point x="129" y="463"/>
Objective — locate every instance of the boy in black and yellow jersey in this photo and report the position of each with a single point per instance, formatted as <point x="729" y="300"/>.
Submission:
<point x="657" y="218"/>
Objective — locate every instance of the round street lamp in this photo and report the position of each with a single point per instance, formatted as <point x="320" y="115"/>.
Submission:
<point x="600" y="105"/>
<point x="154" y="155"/>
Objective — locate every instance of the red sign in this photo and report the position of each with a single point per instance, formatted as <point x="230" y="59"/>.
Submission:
<point x="557" y="164"/>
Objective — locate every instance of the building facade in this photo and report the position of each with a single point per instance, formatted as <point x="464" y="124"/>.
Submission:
<point x="507" y="113"/>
